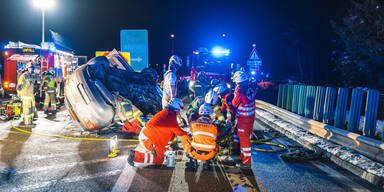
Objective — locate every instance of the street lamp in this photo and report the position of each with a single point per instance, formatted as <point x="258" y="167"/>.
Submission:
<point x="173" y="43"/>
<point x="43" y="4"/>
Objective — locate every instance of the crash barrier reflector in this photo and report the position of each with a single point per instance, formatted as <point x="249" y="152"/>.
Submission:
<point x="289" y="97"/>
<point x="319" y="103"/>
<point x="280" y="96"/>
<point x="329" y="105"/>
<point x="355" y="110"/>
<point x="302" y="97"/>
<point x="284" y="97"/>
<point x="310" y="101"/>
<point x="371" y="110"/>
<point x="295" y="98"/>
<point x="341" y="107"/>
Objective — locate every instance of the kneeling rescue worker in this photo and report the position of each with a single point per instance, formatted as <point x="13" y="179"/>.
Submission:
<point x="157" y="135"/>
<point x="244" y="103"/>
<point x="203" y="144"/>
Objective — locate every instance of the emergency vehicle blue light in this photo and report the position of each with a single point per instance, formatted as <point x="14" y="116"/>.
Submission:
<point x="253" y="72"/>
<point x="219" y="51"/>
<point x="52" y="49"/>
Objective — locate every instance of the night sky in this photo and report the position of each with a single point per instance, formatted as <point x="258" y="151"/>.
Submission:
<point x="94" y="25"/>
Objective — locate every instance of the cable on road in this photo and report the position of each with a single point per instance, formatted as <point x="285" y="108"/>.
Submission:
<point x="68" y="137"/>
<point x="264" y="141"/>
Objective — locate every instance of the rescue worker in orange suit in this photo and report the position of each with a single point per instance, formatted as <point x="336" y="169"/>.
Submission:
<point x="157" y="135"/>
<point x="203" y="145"/>
<point x="244" y="103"/>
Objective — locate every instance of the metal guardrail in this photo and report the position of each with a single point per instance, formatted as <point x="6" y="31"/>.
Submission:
<point x="320" y="104"/>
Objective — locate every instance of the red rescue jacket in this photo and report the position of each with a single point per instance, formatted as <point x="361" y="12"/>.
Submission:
<point x="244" y="101"/>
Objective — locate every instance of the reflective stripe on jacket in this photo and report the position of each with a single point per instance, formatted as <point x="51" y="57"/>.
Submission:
<point x="204" y="134"/>
<point x="244" y="101"/>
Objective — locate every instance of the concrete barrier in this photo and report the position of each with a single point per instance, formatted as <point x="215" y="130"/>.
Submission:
<point x="369" y="147"/>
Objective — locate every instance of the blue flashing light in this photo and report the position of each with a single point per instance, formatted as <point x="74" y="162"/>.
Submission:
<point x="196" y="52"/>
<point x="52" y="49"/>
<point x="253" y="72"/>
<point x="219" y="51"/>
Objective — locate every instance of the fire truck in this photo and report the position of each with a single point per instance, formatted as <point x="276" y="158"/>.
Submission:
<point x="17" y="54"/>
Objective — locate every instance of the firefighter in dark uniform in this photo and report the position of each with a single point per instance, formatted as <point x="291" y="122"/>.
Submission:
<point x="200" y="87"/>
<point x="49" y="86"/>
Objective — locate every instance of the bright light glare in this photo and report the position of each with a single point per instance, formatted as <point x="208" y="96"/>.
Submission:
<point x="219" y="51"/>
<point x="43" y="4"/>
<point x="253" y="72"/>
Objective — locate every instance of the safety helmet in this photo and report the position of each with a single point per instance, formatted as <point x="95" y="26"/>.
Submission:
<point x="211" y="98"/>
<point x="239" y="77"/>
<point x="176" y="105"/>
<point x="205" y="109"/>
<point x="29" y="65"/>
<point x="214" y="82"/>
<point x="175" y="61"/>
<point x="220" y="89"/>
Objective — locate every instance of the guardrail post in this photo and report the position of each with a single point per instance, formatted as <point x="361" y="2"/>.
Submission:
<point x="341" y="107"/>
<point x="329" y="105"/>
<point x="310" y="101"/>
<point x="295" y="99"/>
<point x="371" y="109"/>
<point x="284" y="97"/>
<point x="319" y="103"/>
<point x="302" y="97"/>
<point x="280" y="95"/>
<point x="355" y="110"/>
<point x="289" y="97"/>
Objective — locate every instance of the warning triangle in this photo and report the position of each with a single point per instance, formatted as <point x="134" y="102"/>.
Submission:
<point x="254" y="56"/>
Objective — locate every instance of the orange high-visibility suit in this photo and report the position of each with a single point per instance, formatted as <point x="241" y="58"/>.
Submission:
<point x="244" y="103"/>
<point x="203" y="144"/>
<point x="156" y="136"/>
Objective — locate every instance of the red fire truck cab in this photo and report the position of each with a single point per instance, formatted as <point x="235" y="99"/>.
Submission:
<point x="17" y="54"/>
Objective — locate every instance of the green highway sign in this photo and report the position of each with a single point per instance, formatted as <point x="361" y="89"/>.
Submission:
<point x="135" y="41"/>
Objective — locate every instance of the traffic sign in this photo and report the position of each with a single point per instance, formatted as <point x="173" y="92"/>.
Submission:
<point x="135" y="41"/>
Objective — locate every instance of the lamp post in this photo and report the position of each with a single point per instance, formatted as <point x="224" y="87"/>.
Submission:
<point x="173" y="43"/>
<point x="43" y="5"/>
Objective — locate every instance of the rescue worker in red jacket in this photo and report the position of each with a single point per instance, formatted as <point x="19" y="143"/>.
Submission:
<point x="204" y="133"/>
<point x="244" y="103"/>
<point x="157" y="135"/>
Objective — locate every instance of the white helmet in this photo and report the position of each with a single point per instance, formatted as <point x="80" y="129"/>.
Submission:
<point x="211" y="98"/>
<point x="176" y="105"/>
<point x="239" y="77"/>
<point x="175" y="60"/>
<point x="220" y="89"/>
<point x="205" y="109"/>
<point x="52" y="71"/>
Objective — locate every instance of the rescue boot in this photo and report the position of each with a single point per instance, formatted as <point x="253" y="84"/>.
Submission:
<point x="192" y="164"/>
<point x="131" y="157"/>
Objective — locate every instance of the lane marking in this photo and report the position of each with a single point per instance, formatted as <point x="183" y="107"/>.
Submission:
<point x="178" y="182"/>
<point x="124" y="182"/>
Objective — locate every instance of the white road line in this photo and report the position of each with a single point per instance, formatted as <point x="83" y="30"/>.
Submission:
<point x="67" y="180"/>
<point x="125" y="180"/>
<point x="65" y="165"/>
<point x="178" y="182"/>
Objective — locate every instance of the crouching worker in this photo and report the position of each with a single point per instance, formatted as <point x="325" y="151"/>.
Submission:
<point x="157" y="135"/>
<point x="202" y="146"/>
